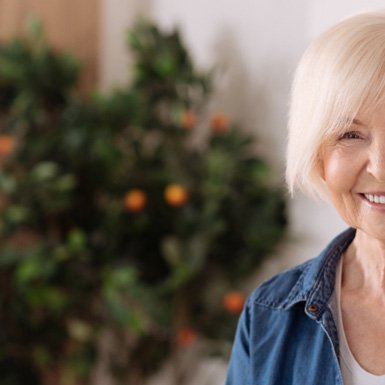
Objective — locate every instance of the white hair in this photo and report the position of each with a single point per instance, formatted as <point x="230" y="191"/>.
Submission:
<point x="340" y="73"/>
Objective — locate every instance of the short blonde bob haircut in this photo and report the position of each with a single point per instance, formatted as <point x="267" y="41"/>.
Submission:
<point x="340" y="74"/>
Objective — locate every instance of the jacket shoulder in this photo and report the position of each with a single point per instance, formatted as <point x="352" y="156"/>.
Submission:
<point x="283" y="289"/>
<point x="296" y="284"/>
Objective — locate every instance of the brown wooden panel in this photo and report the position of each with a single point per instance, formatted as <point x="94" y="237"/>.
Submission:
<point x="71" y="25"/>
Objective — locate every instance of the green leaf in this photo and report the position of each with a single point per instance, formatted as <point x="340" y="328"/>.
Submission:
<point x="172" y="249"/>
<point x="65" y="183"/>
<point x="8" y="183"/>
<point x="17" y="214"/>
<point x="29" y="270"/>
<point x="79" y="330"/>
<point x="77" y="240"/>
<point x="44" y="171"/>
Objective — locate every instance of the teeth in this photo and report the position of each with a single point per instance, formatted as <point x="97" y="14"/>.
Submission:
<point x="375" y="198"/>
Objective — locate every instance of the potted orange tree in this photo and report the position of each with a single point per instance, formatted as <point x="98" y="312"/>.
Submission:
<point x="114" y="218"/>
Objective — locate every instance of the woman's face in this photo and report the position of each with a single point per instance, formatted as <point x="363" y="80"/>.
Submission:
<point x="353" y="167"/>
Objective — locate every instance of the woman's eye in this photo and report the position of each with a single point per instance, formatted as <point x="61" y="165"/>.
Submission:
<point x="351" y="135"/>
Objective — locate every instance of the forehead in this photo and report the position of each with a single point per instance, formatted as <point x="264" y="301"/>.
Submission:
<point x="371" y="117"/>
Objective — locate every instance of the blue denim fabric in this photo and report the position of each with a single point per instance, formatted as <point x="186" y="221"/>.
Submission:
<point x="286" y="334"/>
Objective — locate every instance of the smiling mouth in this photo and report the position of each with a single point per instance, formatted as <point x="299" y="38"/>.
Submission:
<point x="372" y="198"/>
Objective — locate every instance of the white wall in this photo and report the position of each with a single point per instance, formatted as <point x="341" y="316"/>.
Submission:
<point x="256" y="44"/>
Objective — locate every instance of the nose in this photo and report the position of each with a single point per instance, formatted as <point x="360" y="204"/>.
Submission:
<point x="376" y="164"/>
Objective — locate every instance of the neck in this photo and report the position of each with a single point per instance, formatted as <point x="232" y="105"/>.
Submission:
<point x="364" y="265"/>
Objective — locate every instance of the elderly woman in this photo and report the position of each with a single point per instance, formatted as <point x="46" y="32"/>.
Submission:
<point x="323" y="322"/>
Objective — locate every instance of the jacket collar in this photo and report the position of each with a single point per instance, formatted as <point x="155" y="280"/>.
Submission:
<point x="319" y="282"/>
<point x="312" y="282"/>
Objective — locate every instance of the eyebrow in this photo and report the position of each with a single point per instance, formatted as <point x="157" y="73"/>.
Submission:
<point x="358" y="122"/>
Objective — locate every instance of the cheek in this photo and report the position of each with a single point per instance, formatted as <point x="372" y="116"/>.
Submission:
<point x="337" y="173"/>
<point x="340" y="179"/>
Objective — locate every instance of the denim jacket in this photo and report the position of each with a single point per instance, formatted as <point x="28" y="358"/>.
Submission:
<point x="286" y="334"/>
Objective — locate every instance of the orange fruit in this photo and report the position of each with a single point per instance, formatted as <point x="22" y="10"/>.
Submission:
<point x="186" y="336"/>
<point x="233" y="302"/>
<point x="188" y="119"/>
<point x="176" y="195"/>
<point x="7" y="144"/>
<point x="219" y="123"/>
<point x="135" y="200"/>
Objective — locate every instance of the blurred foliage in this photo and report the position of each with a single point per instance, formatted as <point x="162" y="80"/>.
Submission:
<point x="113" y="220"/>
